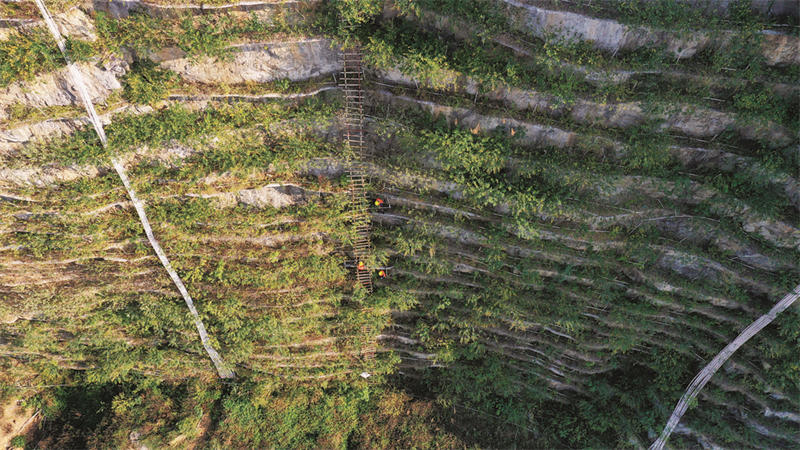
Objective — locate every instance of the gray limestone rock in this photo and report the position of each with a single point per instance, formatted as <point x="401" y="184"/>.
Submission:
<point x="261" y="63"/>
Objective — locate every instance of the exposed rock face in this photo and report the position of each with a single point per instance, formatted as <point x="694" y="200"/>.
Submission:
<point x="73" y="23"/>
<point x="613" y="36"/>
<point x="56" y="89"/>
<point x="709" y="123"/>
<point x="293" y="60"/>
<point x="713" y="159"/>
<point x="718" y="84"/>
<point x="779" y="233"/>
<point x="677" y="277"/>
<point x="688" y="230"/>
<point x="45" y="176"/>
<point x="604" y="34"/>
<point x="691" y="121"/>
<point x="534" y="134"/>
<point x="13" y="139"/>
<point x="621" y="115"/>
<point x="691" y="158"/>
<point x="271" y="195"/>
<point x="781" y="49"/>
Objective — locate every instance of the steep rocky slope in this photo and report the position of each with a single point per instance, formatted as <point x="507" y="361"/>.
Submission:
<point x="583" y="206"/>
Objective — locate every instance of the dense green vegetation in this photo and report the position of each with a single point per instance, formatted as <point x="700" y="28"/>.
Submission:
<point x="541" y="293"/>
<point x="206" y="35"/>
<point x="125" y="376"/>
<point x="32" y="52"/>
<point x="249" y="414"/>
<point x="422" y="55"/>
<point x="517" y="292"/>
<point x="175" y="123"/>
<point x="147" y="83"/>
<point x="673" y="15"/>
<point x="461" y="313"/>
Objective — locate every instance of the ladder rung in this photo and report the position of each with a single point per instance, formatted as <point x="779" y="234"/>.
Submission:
<point x="353" y="134"/>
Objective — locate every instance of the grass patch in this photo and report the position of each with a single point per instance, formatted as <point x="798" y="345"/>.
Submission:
<point x="207" y="35"/>
<point x="34" y="51"/>
<point x="174" y="123"/>
<point x="148" y="83"/>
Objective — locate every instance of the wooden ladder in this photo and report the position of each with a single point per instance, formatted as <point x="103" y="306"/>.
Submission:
<point x="350" y="82"/>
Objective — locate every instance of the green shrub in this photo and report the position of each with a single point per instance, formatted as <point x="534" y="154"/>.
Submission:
<point x="460" y="150"/>
<point x="197" y="36"/>
<point x="283" y="85"/>
<point x="206" y="36"/>
<point x="425" y="56"/>
<point x="18" y="442"/>
<point x="357" y="12"/>
<point x="674" y="15"/>
<point x="34" y="51"/>
<point x="147" y="83"/>
<point x="138" y="32"/>
<point x="483" y="12"/>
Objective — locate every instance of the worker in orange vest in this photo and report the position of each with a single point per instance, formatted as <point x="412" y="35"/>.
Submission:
<point x="378" y="201"/>
<point x="362" y="266"/>
<point x="382" y="273"/>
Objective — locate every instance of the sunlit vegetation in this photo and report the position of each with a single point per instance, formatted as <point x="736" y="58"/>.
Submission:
<point x="551" y="64"/>
<point x="31" y="52"/>
<point x="209" y="35"/>
<point x="174" y="123"/>
<point x="147" y="83"/>
<point x="344" y="18"/>
<point x="540" y="293"/>
<point x="25" y="10"/>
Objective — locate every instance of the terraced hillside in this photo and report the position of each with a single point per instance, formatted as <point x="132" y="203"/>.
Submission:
<point x="584" y="202"/>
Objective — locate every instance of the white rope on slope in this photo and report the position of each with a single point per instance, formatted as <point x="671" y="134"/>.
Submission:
<point x="708" y="371"/>
<point x="77" y="81"/>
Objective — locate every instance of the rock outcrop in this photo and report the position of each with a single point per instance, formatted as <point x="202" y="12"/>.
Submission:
<point x="612" y="36"/>
<point x="56" y="89"/>
<point x="256" y="62"/>
<point x="73" y="23"/>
